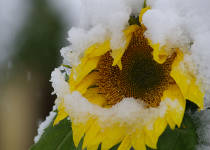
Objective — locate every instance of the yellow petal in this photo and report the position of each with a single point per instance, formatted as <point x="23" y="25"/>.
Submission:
<point x="137" y="140"/>
<point x="150" y="138"/>
<point x="126" y="143"/>
<point x="173" y="116"/>
<point x="95" y="98"/>
<point x="176" y="107"/>
<point x="62" y="114"/>
<point x="88" y="81"/>
<point x="159" y="126"/>
<point x="118" y="53"/>
<point x="187" y="82"/>
<point x="170" y="121"/>
<point x="142" y="13"/>
<point x="112" y="135"/>
<point x="95" y="147"/>
<point x="82" y="70"/>
<point x="159" y="54"/>
<point x="153" y="131"/>
<point x="79" y="130"/>
<point x="88" y="62"/>
<point x="97" y="49"/>
<point x="92" y="137"/>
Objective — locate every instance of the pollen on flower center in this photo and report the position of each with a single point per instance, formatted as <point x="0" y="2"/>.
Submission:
<point x="141" y="77"/>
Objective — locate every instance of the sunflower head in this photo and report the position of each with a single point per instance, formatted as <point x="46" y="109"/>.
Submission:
<point x="128" y="95"/>
<point x="140" y="77"/>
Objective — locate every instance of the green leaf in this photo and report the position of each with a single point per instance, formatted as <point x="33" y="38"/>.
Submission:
<point x="57" y="137"/>
<point x="183" y="138"/>
<point x="134" y="20"/>
<point x="67" y="66"/>
<point x="145" y="4"/>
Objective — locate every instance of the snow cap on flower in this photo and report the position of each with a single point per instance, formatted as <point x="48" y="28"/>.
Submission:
<point x="128" y="82"/>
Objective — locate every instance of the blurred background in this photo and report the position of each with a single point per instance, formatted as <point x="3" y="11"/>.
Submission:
<point x="32" y="32"/>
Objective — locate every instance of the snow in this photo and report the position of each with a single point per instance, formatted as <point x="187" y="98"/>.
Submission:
<point x="184" y="24"/>
<point x="202" y="121"/>
<point x="97" y="20"/>
<point x="58" y="82"/>
<point x="45" y="124"/>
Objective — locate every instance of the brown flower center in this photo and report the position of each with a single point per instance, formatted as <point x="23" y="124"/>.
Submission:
<point x="141" y="76"/>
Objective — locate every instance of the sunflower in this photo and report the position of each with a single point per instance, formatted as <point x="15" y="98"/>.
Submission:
<point x="127" y="95"/>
